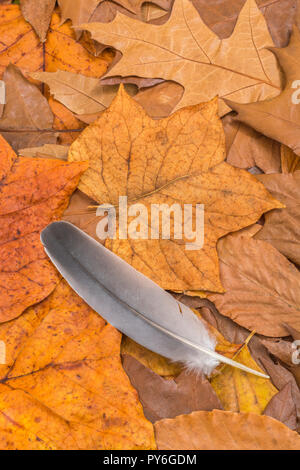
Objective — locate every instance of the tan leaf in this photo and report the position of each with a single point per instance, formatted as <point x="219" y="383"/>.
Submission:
<point x="221" y="15"/>
<point x="27" y="118"/>
<point x="279" y="117"/>
<point x="178" y="159"/>
<point x="290" y="162"/>
<point x="261" y="286"/>
<point x="46" y="151"/>
<point x="38" y="14"/>
<point x="88" y="96"/>
<point x="162" y="398"/>
<point x="247" y="148"/>
<point x="224" y="430"/>
<point x="240" y="67"/>
<point x="282" y="228"/>
<point x="283" y="408"/>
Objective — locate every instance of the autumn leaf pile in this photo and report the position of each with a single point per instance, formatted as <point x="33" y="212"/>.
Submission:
<point x="169" y="101"/>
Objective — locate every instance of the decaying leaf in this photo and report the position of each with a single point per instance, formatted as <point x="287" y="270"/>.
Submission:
<point x="64" y="52"/>
<point x="177" y="159"/>
<point x="246" y="148"/>
<point x="239" y="68"/>
<point x="223" y="430"/>
<point x="19" y="43"/>
<point x="63" y="386"/>
<point x="80" y="94"/>
<point x="33" y="193"/>
<point x="279" y="117"/>
<point x="283" y="408"/>
<point x="38" y="14"/>
<point x="78" y="214"/>
<point x="242" y="392"/>
<point x="260" y="295"/>
<point x="221" y="15"/>
<point x="46" y="151"/>
<point x="162" y="398"/>
<point x="282" y="228"/>
<point x="290" y="162"/>
<point x="27" y="118"/>
<point x="87" y="97"/>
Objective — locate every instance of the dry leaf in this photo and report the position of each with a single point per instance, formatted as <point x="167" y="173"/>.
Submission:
<point x="80" y="94"/>
<point x="283" y="408"/>
<point x="33" y="193"/>
<point x="179" y="158"/>
<point x="64" y="52"/>
<point x="280" y="348"/>
<point x="279" y="117"/>
<point x="27" y="118"/>
<point x="19" y="43"/>
<point x="38" y="14"/>
<point x="221" y="15"/>
<point x="247" y="148"/>
<point x="242" y="392"/>
<point x="282" y="228"/>
<point x="281" y="377"/>
<point x="63" y="386"/>
<point x="290" y="162"/>
<point x="78" y="213"/>
<point x="162" y="398"/>
<point x="65" y="123"/>
<point x="234" y="333"/>
<point x="261" y="286"/>
<point x="87" y="97"/>
<point x="46" y="151"/>
<point x="223" y="430"/>
<point x="240" y="68"/>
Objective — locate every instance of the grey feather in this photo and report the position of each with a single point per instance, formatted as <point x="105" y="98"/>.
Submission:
<point x="130" y="301"/>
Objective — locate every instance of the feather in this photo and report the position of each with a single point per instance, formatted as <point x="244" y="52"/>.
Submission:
<point x="130" y="301"/>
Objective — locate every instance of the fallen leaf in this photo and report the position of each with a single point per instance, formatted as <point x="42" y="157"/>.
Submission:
<point x="281" y="377"/>
<point x="46" y="151"/>
<point x="33" y="193"/>
<point x="240" y="67"/>
<point x="234" y="333"/>
<point x="283" y="408"/>
<point x="261" y="294"/>
<point x="66" y="124"/>
<point x="80" y="94"/>
<point x="281" y="228"/>
<point x="87" y="97"/>
<point x="221" y="16"/>
<point x="278" y="118"/>
<point x="247" y="148"/>
<point x="162" y="398"/>
<point x="292" y="331"/>
<point x="38" y="14"/>
<point x="78" y="213"/>
<point x="290" y="162"/>
<point x="280" y="348"/>
<point x="223" y="430"/>
<point x="242" y="392"/>
<point x="27" y="117"/>
<point x="158" y="161"/>
<point x="19" y="43"/>
<point x="64" y="52"/>
<point x="63" y="386"/>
